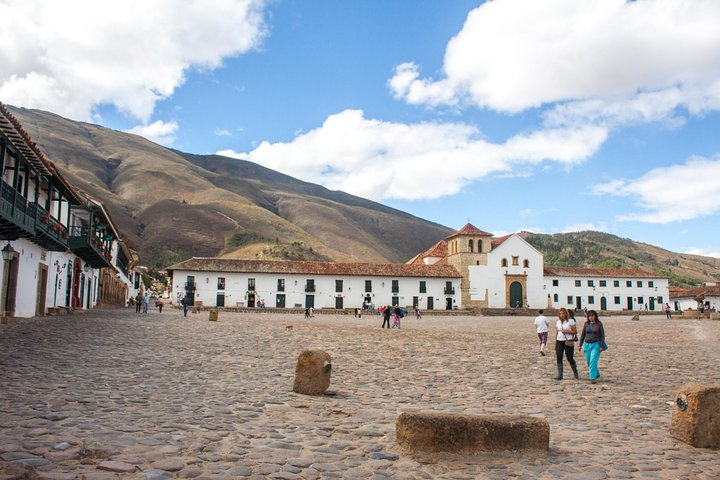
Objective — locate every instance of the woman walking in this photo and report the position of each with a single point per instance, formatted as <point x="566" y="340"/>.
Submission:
<point x="564" y="345"/>
<point x="592" y="340"/>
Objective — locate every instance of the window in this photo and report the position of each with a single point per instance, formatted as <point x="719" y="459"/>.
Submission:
<point x="516" y="260"/>
<point x="281" y="285"/>
<point x="641" y="300"/>
<point x="395" y="286"/>
<point x="628" y="283"/>
<point x="591" y="283"/>
<point x="368" y="285"/>
<point x="603" y="283"/>
<point x="503" y="262"/>
<point x="221" y="283"/>
<point x="526" y="263"/>
<point x="556" y="283"/>
<point x="639" y="284"/>
<point x="310" y="287"/>
<point x="570" y="300"/>
<point x="471" y="246"/>
<point x="616" y="283"/>
<point x="449" y="290"/>
<point x="578" y="283"/>
<point x="651" y="284"/>
<point x="660" y="300"/>
<point x="251" y="284"/>
<point x="556" y="298"/>
<point x="338" y="285"/>
<point x="617" y="300"/>
<point x="423" y="286"/>
<point x="479" y="246"/>
<point x="591" y="300"/>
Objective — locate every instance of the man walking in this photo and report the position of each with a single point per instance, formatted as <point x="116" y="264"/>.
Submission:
<point x="541" y="325"/>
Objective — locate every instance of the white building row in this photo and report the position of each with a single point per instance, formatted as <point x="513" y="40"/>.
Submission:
<point x="291" y="284"/>
<point x="59" y="246"/>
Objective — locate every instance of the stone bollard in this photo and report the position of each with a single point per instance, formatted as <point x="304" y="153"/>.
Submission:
<point x="696" y="416"/>
<point x="636" y="317"/>
<point x="213" y="315"/>
<point x="470" y="434"/>
<point x="312" y="372"/>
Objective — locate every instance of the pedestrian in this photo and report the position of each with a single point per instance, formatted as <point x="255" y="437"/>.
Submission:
<point x="146" y="302"/>
<point x="159" y="304"/>
<point x="386" y="316"/>
<point x="138" y="302"/>
<point x="668" y="313"/>
<point x="592" y="342"/>
<point x="307" y="312"/>
<point x="418" y="316"/>
<point x="311" y="311"/>
<point x="564" y="342"/>
<point x="541" y="325"/>
<point x="357" y="313"/>
<point x="185" y="305"/>
<point x="396" y="316"/>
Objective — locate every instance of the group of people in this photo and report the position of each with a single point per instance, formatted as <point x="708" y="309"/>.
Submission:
<point x="591" y="341"/>
<point x="395" y="312"/>
<point x="142" y="303"/>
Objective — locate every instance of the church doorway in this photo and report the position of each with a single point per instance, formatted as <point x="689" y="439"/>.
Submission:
<point x="516" y="295"/>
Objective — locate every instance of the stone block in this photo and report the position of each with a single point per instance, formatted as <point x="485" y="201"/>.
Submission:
<point x="471" y="434"/>
<point x="213" y="315"/>
<point x="312" y="372"/>
<point x="696" y="416"/>
<point x="636" y="317"/>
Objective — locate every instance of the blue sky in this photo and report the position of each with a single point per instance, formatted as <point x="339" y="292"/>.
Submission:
<point x="548" y="116"/>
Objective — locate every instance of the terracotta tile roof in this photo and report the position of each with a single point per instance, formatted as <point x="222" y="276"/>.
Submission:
<point x="439" y="250"/>
<point x="215" y="264"/>
<point x="496" y="242"/>
<point x="693" y="292"/>
<point x="597" y="272"/>
<point x="470" y="229"/>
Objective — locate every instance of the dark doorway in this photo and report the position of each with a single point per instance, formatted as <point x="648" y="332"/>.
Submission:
<point x="220" y="301"/>
<point x="430" y="303"/>
<point x="516" y="294"/>
<point x="603" y="303"/>
<point x="280" y="301"/>
<point x="251" y="300"/>
<point x="448" y="304"/>
<point x="629" y="303"/>
<point x="578" y="303"/>
<point x="309" y="301"/>
<point x="652" y="303"/>
<point x="339" y="303"/>
<point x="42" y="290"/>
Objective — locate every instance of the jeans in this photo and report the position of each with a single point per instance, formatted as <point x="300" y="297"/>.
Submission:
<point x="185" y="309"/>
<point x="592" y="355"/>
<point x="560" y="349"/>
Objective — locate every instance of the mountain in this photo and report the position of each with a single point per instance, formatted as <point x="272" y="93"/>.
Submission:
<point x="603" y="250"/>
<point x="171" y="205"/>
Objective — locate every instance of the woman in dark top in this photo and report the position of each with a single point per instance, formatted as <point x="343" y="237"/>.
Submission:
<point x="592" y="337"/>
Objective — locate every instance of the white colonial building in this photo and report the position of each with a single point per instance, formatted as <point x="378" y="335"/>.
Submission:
<point x="707" y="296"/>
<point x="62" y="249"/>
<point x="508" y="272"/>
<point x="225" y="282"/>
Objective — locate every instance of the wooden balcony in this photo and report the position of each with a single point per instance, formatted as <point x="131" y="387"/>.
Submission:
<point x="49" y="233"/>
<point x="86" y="245"/>
<point x="15" y="219"/>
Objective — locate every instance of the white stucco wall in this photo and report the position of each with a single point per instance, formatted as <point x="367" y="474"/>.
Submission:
<point x="353" y="289"/>
<point x="567" y="288"/>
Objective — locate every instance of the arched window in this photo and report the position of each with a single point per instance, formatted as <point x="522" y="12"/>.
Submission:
<point x="526" y="263"/>
<point x="479" y="246"/>
<point x="503" y="263"/>
<point x="555" y="298"/>
<point x="470" y="245"/>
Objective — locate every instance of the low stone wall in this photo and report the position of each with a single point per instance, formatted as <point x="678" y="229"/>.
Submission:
<point x="471" y="434"/>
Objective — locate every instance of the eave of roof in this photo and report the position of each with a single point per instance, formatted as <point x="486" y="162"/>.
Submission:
<point x="597" y="272"/>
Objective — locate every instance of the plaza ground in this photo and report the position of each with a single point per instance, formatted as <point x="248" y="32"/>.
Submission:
<point x="189" y="398"/>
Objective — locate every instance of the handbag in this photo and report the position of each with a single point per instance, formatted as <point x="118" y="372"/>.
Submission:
<point x="603" y="346"/>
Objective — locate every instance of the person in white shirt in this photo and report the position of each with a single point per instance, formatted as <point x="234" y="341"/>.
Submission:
<point x="541" y="325"/>
<point x="566" y="332"/>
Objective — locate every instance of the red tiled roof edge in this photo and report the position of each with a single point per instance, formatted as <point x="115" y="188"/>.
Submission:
<point x="597" y="272"/>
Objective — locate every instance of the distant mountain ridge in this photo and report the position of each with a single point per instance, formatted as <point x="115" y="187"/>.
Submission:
<point x="172" y="205"/>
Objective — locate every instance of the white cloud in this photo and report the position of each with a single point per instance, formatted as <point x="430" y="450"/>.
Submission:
<point x="222" y="132"/>
<point x="614" y="61"/>
<point x="703" y="251"/>
<point x="158" y="132"/>
<point x="670" y="194"/>
<point x="71" y="56"/>
<point x="383" y="160"/>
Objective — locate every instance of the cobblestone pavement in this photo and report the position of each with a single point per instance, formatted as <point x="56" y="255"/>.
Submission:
<point x="111" y="394"/>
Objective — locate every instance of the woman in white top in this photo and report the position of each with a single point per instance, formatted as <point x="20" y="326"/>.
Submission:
<point x="566" y="332"/>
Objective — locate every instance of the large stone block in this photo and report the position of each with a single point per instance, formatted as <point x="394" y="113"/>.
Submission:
<point x="696" y="416"/>
<point x="312" y="372"/>
<point x="213" y="315"/>
<point x="470" y="434"/>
